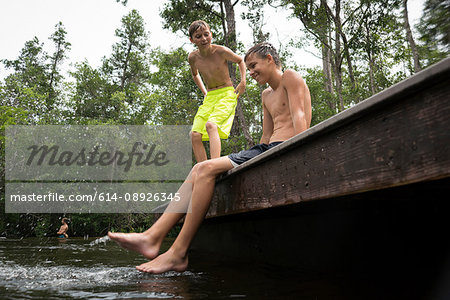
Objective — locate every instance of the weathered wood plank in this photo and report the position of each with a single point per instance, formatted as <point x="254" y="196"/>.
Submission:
<point x="400" y="136"/>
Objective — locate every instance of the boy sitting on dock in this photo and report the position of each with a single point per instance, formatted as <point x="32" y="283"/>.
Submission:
<point x="215" y="116"/>
<point x="287" y="112"/>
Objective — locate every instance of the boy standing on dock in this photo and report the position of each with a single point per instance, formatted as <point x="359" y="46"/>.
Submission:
<point x="287" y="112"/>
<point x="215" y="116"/>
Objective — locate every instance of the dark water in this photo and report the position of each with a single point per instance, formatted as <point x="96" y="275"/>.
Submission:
<point x="79" y="269"/>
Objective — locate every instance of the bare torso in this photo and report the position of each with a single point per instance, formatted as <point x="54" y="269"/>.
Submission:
<point x="213" y="68"/>
<point x="63" y="229"/>
<point x="277" y="104"/>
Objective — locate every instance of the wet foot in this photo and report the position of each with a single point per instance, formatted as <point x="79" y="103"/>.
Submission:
<point x="168" y="261"/>
<point x="140" y="242"/>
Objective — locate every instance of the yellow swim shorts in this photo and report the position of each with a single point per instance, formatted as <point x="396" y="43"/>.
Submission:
<point x="218" y="107"/>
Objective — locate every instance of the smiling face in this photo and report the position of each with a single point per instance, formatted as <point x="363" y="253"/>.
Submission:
<point x="259" y="67"/>
<point x="202" y="37"/>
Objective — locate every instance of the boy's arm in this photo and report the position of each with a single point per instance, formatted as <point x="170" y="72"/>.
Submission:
<point x="267" y="123"/>
<point x="196" y="76"/>
<point x="240" y="89"/>
<point x="229" y="55"/>
<point x="295" y="87"/>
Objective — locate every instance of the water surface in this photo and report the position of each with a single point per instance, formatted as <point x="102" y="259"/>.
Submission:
<point x="79" y="268"/>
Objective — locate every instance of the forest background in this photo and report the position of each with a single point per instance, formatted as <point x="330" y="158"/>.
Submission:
<point x="361" y="46"/>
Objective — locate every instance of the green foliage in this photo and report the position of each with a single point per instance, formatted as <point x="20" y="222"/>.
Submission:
<point x="34" y="85"/>
<point x="255" y="18"/>
<point x="92" y="96"/>
<point x="434" y="29"/>
<point x="435" y="23"/>
<point x="323" y="102"/>
<point x="175" y="97"/>
<point x="127" y="66"/>
<point x="118" y="92"/>
<point x="30" y="225"/>
<point x="179" y="14"/>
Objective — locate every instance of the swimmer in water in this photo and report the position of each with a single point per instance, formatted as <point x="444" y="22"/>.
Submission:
<point x="62" y="233"/>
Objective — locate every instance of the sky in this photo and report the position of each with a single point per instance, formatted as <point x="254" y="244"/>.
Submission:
<point x="90" y="26"/>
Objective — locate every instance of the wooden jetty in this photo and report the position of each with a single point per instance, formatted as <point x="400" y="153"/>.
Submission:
<point x="365" y="190"/>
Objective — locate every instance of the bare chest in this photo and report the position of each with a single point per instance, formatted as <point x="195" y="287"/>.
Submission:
<point x="210" y="65"/>
<point x="277" y="103"/>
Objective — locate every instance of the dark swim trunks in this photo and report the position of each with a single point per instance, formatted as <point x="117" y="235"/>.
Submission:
<point x="61" y="236"/>
<point x="244" y="155"/>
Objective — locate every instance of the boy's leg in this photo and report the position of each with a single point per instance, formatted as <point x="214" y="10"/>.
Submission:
<point x="148" y="242"/>
<point x="221" y="119"/>
<point x="197" y="146"/>
<point x="204" y="181"/>
<point x="214" y="140"/>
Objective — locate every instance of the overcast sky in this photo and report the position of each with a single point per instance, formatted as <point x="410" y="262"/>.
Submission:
<point x="90" y="26"/>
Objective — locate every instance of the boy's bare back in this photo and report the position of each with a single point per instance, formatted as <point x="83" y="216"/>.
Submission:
<point x="212" y="67"/>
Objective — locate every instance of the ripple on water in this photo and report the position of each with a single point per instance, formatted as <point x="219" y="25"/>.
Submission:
<point x="100" y="240"/>
<point x="120" y="295"/>
<point x="16" y="276"/>
<point x="78" y="270"/>
<point x="66" y="278"/>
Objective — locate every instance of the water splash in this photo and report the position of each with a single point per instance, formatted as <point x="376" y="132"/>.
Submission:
<point x="100" y="240"/>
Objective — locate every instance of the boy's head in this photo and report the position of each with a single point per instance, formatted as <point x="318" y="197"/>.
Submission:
<point x="262" y="60"/>
<point x="196" y="25"/>
<point x="262" y="50"/>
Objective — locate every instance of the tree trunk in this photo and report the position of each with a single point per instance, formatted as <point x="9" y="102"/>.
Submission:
<point x="371" y="76"/>
<point x="411" y="42"/>
<point x="125" y="67"/>
<point x="230" y="42"/>
<point x="331" y="102"/>
<point x="349" y="60"/>
<point x="338" y="58"/>
<point x="51" y="95"/>
<point x="326" y="65"/>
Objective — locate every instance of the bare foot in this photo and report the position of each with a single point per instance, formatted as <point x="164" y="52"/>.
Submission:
<point x="168" y="261"/>
<point x="140" y="242"/>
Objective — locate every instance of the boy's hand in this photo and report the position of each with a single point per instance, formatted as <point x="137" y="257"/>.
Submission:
<point x="240" y="89"/>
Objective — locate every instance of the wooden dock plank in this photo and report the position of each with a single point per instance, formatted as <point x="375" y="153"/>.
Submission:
<point x="400" y="136"/>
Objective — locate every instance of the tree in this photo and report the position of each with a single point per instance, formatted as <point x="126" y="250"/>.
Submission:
<point x="412" y="43"/>
<point x="34" y="83"/>
<point x="29" y="95"/>
<point x="30" y="74"/>
<point x="434" y="30"/>
<point x="321" y="21"/>
<point x="174" y="99"/>
<point x="380" y="46"/>
<point x="92" y="96"/>
<point x="115" y="92"/>
<point x="128" y="65"/>
<point x="61" y="49"/>
<point x="360" y="41"/>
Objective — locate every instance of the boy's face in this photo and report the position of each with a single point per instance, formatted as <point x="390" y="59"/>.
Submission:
<point x="202" y="37"/>
<point x="258" y="67"/>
